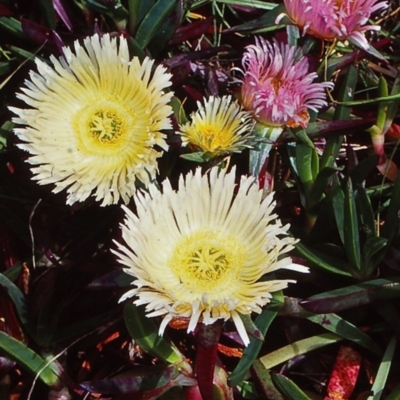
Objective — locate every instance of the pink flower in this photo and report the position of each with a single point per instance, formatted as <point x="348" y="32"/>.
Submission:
<point x="277" y="87"/>
<point x="334" y="19"/>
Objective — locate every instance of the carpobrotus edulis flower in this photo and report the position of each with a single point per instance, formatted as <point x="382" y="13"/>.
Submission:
<point x="199" y="252"/>
<point x="277" y="86"/>
<point x="218" y="127"/>
<point x="334" y="19"/>
<point x="96" y="115"/>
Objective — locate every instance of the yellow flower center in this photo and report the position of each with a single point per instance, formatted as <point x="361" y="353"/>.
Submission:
<point x="210" y="137"/>
<point x="207" y="261"/>
<point x="101" y="128"/>
<point x="106" y="126"/>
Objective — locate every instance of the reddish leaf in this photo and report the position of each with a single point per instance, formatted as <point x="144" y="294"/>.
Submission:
<point x="191" y="31"/>
<point x="344" y="374"/>
<point x="39" y="33"/>
<point x="5" y="11"/>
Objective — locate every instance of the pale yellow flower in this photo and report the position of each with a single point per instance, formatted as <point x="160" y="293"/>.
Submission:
<point x="219" y="127"/>
<point x="96" y="115"/>
<point x="200" y="252"/>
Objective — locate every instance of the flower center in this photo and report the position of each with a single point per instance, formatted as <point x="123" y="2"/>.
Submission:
<point x="207" y="261"/>
<point x="106" y="125"/>
<point x="102" y="127"/>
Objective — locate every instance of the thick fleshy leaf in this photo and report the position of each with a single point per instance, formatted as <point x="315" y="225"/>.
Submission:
<point x="145" y="332"/>
<point x="350" y="228"/>
<point x="300" y="347"/>
<point x="331" y="322"/>
<point x="321" y="260"/>
<point x="139" y="380"/>
<point x="393" y="106"/>
<point x="12" y="26"/>
<point x="116" y="278"/>
<point x="264" y="381"/>
<point x="394" y="394"/>
<point x="345" y="329"/>
<point x="263" y="322"/>
<point x="383" y="371"/>
<point x="29" y="360"/>
<point x="18" y="300"/>
<point x="151" y="23"/>
<point x="288" y="388"/>
<point x="262" y="24"/>
<point x="342" y="112"/>
<point x="191" y="31"/>
<point x="48" y="12"/>
<point x="353" y="296"/>
<point x="222" y="391"/>
<point x="360" y="172"/>
<point x="258" y="156"/>
<point x="391" y="227"/>
<point x="133" y="21"/>
<point x="320" y="184"/>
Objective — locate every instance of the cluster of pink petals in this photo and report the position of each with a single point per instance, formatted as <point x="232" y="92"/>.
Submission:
<point x="277" y="85"/>
<point x="334" y="19"/>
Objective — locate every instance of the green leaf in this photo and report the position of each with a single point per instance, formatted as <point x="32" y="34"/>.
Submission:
<point x="321" y="260"/>
<point x="288" y="388"/>
<point x="300" y="347"/>
<point x="263" y="322"/>
<point x="393" y="105"/>
<point x="383" y="371"/>
<point x="382" y="107"/>
<point x="391" y="227"/>
<point x="179" y="111"/>
<point x="345" y="329"/>
<point x="134" y="9"/>
<point x="394" y="394"/>
<point x="49" y="13"/>
<point x="264" y="381"/>
<point x="342" y="112"/>
<point x="372" y="254"/>
<point x="141" y="379"/>
<point x="18" y="300"/>
<point x="259" y="156"/>
<point x="365" y="213"/>
<point x="360" y="172"/>
<point x="353" y="296"/>
<point x="145" y="333"/>
<point x="320" y="184"/>
<point x="28" y="359"/>
<point x="12" y="26"/>
<point x="264" y="23"/>
<point x="350" y="229"/>
<point x="151" y="23"/>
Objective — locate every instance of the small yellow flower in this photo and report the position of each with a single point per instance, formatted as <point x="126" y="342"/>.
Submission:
<point x="200" y="252"/>
<point x="95" y="117"/>
<point x="219" y="127"/>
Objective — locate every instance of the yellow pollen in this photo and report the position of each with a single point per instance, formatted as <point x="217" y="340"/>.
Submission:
<point x="210" y="137"/>
<point x="105" y="125"/>
<point x="207" y="261"/>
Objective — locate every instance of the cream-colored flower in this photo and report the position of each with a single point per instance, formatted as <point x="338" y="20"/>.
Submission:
<point x="95" y="117"/>
<point x="200" y="252"/>
<point x="219" y="127"/>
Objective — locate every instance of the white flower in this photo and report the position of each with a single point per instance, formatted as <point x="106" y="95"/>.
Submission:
<point x="200" y="252"/>
<point x="95" y="117"/>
